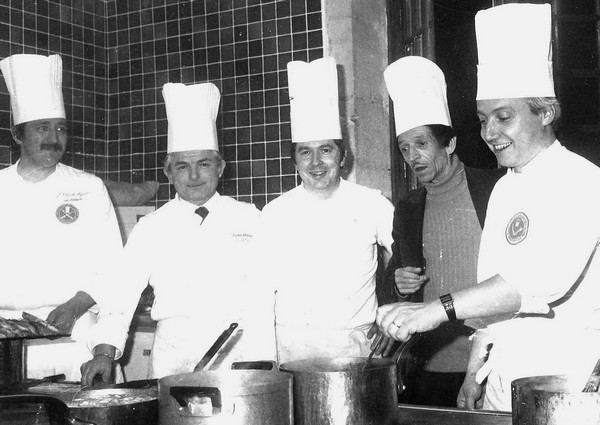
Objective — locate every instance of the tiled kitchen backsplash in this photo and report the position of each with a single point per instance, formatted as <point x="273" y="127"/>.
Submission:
<point x="118" y="54"/>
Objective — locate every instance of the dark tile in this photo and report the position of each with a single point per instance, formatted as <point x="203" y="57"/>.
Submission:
<point x="243" y="135"/>
<point x="284" y="43"/>
<point x="283" y="26"/>
<point x="242" y="118"/>
<point x="283" y="9"/>
<point x="268" y="11"/>
<point x="259" y="183"/>
<point x="254" y="14"/>
<point x="244" y="184"/>
<point x="298" y="24"/>
<point x="299" y="42"/>
<point x="314" y="21"/>
<point x="272" y="132"/>
<point x="269" y="46"/>
<point x="257" y="117"/>
<point x="258" y="152"/>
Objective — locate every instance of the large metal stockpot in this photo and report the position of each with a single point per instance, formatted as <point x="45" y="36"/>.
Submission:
<point x="551" y="400"/>
<point x="344" y="391"/>
<point x="237" y="397"/>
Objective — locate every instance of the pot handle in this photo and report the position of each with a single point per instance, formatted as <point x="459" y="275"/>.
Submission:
<point x="400" y="356"/>
<point x="188" y="405"/>
<point x="254" y="365"/>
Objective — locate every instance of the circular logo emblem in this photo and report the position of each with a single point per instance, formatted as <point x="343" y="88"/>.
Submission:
<point x="517" y="228"/>
<point x="67" y="213"/>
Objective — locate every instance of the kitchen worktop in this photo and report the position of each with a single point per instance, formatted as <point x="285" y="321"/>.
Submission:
<point x="425" y="415"/>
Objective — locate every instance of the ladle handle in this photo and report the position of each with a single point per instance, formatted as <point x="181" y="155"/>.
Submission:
<point x="215" y="347"/>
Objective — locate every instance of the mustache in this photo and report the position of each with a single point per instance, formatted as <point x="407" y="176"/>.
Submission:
<point x="51" y="147"/>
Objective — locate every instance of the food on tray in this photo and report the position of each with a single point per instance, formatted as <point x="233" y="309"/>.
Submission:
<point x="27" y="327"/>
<point x="91" y="399"/>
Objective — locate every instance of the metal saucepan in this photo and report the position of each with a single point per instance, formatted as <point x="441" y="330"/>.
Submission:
<point x="116" y="407"/>
<point x="349" y="390"/>
<point x="232" y="397"/>
<point x="552" y="400"/>
<point x="342" y="391"/>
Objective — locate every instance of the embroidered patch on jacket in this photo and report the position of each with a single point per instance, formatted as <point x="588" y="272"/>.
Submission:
<point x="67" y="213"/>
<point x="517" y="228"/>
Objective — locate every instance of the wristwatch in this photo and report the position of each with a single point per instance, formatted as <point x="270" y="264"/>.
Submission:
<point x="448" y="304"/>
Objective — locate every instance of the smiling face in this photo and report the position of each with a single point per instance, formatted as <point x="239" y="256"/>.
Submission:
<point x="195" y="174"/>
<point x="319" y="164"/>
<point x="425" y="154"/>
<point x="513" y="132"/>
<point x="42" y="142"/>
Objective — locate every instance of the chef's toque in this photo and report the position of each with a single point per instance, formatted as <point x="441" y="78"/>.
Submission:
<point x="191" y="112"/>
<point x="314" y="108"/>
<point x="34" y="83"/>
<point x="514" y="46"/>
<point x="418" y="90"/>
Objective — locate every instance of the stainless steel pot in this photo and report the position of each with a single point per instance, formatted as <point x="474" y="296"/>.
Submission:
<point x="551" y="400"/>
<point x="27" y="409"/>
<point x="127" y="407"/>
<point x="233" y="397"/>
<point x="342" y="390"/>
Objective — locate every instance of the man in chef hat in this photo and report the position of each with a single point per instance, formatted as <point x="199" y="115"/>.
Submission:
<point x="59" y="229"/>
<point x="438" y="224"/>
<point x="321" y="238"/>
<point x="536" y="258"/>
<point x="195" y="251"/>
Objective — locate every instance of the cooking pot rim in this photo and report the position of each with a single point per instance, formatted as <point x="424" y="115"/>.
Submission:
<point x="336" y="365"/>
<point x="240" y="382"/>
<point x="548" y="384"/>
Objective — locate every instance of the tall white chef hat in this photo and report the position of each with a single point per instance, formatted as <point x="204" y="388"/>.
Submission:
<point x="191" y="112"/>
<point x="34" y="83"/>
<point x="418" y="89"/>
<point x="514" y="45"/>
<point x="314" y="107"/>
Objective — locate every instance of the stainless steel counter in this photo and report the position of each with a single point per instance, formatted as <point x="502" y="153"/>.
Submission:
<point x="424" y="415"/>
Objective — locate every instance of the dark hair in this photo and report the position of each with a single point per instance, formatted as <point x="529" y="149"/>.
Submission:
<point x="538" y="105"/>
<point x="338" y="142"/>
<point x="442" y="133"/>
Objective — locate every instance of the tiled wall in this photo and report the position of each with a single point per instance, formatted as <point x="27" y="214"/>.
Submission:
<point x="78" y="35"/>
<point x="113" y="80"/>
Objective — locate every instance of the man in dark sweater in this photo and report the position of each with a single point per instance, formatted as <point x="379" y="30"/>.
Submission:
<point x="437" y="227"/>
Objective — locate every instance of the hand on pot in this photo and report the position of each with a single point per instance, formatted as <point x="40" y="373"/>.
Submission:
<point x="401" y="320"/>
<point x="101" y="364"/>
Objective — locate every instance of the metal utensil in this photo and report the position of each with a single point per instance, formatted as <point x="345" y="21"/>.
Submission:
<point x="215" y="347"/>
<point x="593" y="381"/>
<point x="377" y="343"/>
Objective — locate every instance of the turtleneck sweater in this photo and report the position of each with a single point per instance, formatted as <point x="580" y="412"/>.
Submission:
<point x="451" y="236"/>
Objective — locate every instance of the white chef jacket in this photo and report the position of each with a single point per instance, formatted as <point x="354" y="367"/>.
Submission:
<point x="321" y="259"/>
<point x="58" y="235"/>
<point x="198" y="270"/>
<point x="541" y="226"/>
